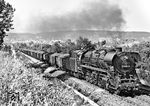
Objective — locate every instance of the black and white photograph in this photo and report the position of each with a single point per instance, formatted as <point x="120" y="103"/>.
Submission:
<point x="74" y="53"/>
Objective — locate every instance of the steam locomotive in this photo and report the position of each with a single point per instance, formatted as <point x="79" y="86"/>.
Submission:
<point x="111" y="69"/>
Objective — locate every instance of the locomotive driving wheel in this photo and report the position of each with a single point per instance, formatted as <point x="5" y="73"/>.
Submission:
<point x="103" y="82"/>
<point x="88" y="76"/>
<point x="94" y="77"/>
<point x="113" y="85"/>
<point x="99" y="83"/>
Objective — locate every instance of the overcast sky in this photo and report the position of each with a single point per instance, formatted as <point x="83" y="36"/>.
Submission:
<point x="136" y="13"/>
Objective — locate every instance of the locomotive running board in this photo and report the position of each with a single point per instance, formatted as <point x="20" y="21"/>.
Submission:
<point x="96" y="69"/>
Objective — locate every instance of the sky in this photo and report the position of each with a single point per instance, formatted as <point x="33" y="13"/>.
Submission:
<point x="136" y="13"/>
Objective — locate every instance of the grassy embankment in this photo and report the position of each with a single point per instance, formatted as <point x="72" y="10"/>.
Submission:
<point x="18" y="81"/>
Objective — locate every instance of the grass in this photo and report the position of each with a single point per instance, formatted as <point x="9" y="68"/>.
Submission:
<point x="21" y="85"/>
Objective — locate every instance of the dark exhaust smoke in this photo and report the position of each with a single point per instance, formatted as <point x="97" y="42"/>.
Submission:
<point x="100" y="15"/>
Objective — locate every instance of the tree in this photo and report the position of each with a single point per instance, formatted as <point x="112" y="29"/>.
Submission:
<point x="56" y="47"/>
<point x="6" y="15"/>
<point x="84" y="43"/>
<point x="69" y="46"/>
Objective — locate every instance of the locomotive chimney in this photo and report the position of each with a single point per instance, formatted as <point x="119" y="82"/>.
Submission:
<point x="118" y="49"/>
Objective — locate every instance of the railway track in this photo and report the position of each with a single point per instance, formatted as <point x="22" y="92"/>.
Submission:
<point x="97" y="96"/>
<point x="101" y="96"/>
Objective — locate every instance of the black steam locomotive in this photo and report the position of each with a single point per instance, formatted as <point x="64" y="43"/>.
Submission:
<point x="111" y="69"/>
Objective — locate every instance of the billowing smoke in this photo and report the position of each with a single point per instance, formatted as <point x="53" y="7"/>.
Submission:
<point x="95" y="15"/>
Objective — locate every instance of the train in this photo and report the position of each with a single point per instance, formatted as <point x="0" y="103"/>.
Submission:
<point x="111" y="69"/>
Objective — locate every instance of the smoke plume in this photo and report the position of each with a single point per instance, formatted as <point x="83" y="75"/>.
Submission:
<point x="95" y="15"/>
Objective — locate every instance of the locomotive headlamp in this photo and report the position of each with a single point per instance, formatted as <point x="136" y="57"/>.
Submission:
<point x="125" y="63"/>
